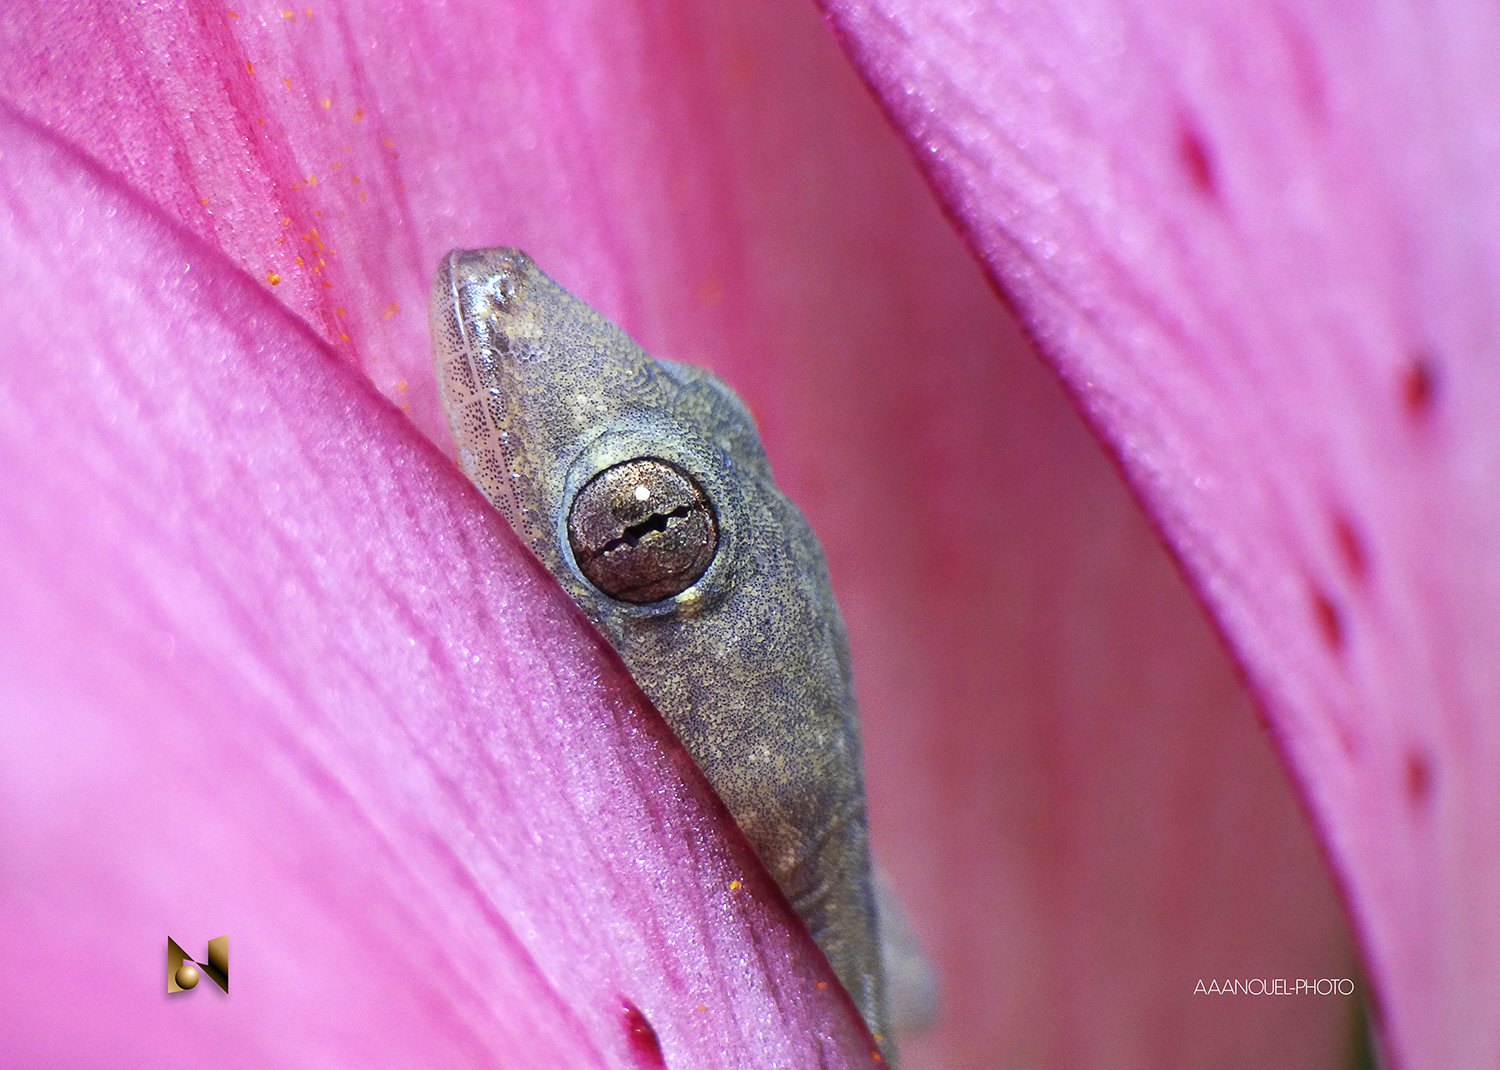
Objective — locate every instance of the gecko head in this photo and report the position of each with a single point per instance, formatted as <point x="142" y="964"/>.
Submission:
<point x="626" y="475"/>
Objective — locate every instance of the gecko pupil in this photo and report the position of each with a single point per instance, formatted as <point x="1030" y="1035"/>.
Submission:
<point x="642" y="531"/>
<point x="658" y="522"/>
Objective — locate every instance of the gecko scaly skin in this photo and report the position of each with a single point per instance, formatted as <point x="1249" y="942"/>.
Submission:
<point x="747" y="660"/>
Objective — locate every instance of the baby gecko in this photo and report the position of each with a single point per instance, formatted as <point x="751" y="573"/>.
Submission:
<point x="643" y="486"/>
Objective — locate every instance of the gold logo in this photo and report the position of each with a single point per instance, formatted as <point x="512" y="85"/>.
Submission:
<point x="182" y="971"/>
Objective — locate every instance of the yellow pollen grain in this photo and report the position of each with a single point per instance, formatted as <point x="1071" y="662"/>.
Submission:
<point x="232" y="13"/>
<point x="205" y="200"/>
<point x="354" y="178"/>
<point x="702" y="1007"/>
<point x="401" y="385"/>
<point x="299" y="261"/>
<point x="822" y="984"/>
<point x="312" y="180"/>
<point x="359" y="113"/>
<point x="327" y="285"/>
<point x="288" y="15"/>
<point x="286" y="220"/>
<point x="260" y="120"/>
<point x="343" y="337"/>
<point x="272" y="278"/>
<point x="287" y="82"/>
<point x="337" y="164"/>
<point x="249" y="66"/>
<point x="395" y="307"/>
<point x="733" y="885"/>
<point x="338" y="312"/>
<point x="363" y="195"/>
<point x="327" y="102"/>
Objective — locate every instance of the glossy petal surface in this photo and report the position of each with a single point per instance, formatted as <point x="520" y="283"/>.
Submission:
<point x="1259" y="242"/>
<point x="272" y="667"/>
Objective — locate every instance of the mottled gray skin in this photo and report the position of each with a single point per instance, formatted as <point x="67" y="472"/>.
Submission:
<point x="749" y="665"/>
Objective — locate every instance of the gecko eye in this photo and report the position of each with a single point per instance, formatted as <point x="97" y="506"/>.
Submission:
<point x="642" y="531"/>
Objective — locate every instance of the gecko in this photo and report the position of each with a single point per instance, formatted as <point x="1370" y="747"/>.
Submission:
<point x="642" y="485"/>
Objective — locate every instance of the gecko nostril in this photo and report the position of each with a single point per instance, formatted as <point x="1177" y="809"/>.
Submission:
<point x="642" y="531"/>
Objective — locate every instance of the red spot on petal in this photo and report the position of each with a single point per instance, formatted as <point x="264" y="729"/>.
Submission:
<point x="1418" y="779"/>
<point x="1330" y="621"/>
<point x="1351" y="547"/>
<point x="1199" y="165"/>
<point x="1418" y="385"/>
<point x="641" y="1036"/>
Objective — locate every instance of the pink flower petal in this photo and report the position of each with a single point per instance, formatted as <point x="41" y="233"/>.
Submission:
<point x="1065" y="779"/>
<point x="273" y="668"/>
<point x="1258" y="242"/>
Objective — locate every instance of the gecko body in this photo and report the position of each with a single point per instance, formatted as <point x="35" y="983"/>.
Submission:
<point x="628" y="477"/>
